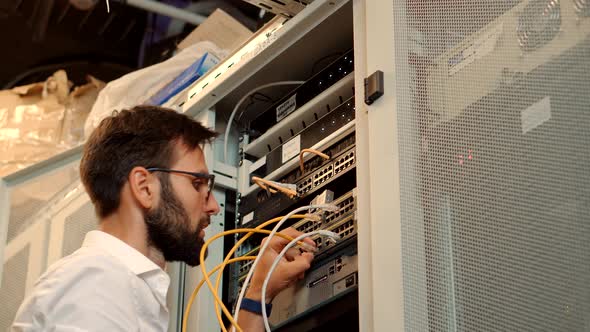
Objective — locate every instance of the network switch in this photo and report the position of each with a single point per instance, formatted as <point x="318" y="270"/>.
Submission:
<point x="323" y="284"/>
<point x="311" y="135"/>
<point x="341" y="222"/>
<point x="260" y="206"/>
<point x="334" y="72"/>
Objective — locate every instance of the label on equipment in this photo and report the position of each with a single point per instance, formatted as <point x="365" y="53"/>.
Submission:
<point x="291" y="148"/>
<point x="536" y="114"/>
<point x="247" y="218"/>
<point x="287" y="107"/>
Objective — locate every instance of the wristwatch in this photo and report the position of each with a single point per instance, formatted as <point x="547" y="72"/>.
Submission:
<point x="255" y="306"/>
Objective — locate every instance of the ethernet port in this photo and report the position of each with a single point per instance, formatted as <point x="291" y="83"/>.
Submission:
<point x="349" y="281"/>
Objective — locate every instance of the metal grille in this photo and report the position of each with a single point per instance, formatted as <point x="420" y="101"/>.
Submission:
<point x="494" y="135"/>
<point x="28" y="198"/>
<point x="76" y="226"/>
<point x="12" y="290"/>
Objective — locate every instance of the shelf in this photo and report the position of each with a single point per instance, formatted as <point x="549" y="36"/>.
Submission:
<point x="320" y="29"/>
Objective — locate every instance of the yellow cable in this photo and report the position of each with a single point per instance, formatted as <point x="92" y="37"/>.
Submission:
<point x="289" y="192"/>
<point x="196" y="291"/>
<point x="261" y="184"/>
<point x="237" y="245"/>
<point x="302" y="163"/>
<point x="204" y="269"/>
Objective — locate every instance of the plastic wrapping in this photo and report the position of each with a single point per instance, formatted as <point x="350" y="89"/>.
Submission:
<point x="78" y="108"/>
<point x="137" y="87"/>
<point x="40" y="120"/>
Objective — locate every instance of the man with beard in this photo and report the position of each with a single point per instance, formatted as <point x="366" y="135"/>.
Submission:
<point x="146" y="175"/>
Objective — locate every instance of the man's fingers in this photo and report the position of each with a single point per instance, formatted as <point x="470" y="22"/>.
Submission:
<point x="292" y="232"/>
<point x="309" y="241"/>
<point x="278" y="243"/>
<point x="299" y="265"/>
<point x="291" y="253"/>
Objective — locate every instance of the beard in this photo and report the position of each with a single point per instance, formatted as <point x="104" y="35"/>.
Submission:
<point x="169" y="228"/>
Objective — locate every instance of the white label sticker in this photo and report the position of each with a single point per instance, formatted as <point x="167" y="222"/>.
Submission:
<point x="287" y="107"/>
<point x="536" y="114"/>
<point x="247" y="218"/>
<point x="257" y="164"/>
<point x="291" y="148"/>
<point x="479" y="48"/>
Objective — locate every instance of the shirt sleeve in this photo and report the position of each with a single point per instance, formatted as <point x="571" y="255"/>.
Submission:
<point x="93" y="294"/>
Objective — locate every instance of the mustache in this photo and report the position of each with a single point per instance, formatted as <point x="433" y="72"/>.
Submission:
<point x="204" y="222"/>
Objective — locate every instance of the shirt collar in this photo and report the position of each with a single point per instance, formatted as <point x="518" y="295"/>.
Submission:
<point x="137" y="262"/>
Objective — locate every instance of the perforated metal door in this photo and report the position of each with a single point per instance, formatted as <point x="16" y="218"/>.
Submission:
<point x="76" y="225"/>
<point x="494" y="138"/>
<point x="53" y="230"/>
<point x="12" y="289"/>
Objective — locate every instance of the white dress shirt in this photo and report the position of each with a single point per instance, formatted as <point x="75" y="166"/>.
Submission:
<point x="106" y="285"/>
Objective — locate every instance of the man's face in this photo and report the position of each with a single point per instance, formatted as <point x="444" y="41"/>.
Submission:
<point x="176" y="225"/>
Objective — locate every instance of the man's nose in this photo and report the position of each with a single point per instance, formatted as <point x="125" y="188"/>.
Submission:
<point x="212" y="205"/>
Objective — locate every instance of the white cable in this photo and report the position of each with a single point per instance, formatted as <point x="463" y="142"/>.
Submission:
<point x="235" y="110"/>
<point x="333" y="236"/>
<point x="327" y="207"/>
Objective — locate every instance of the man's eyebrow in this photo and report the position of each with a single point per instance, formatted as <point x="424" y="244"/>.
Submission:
<point x="202" y="171"/>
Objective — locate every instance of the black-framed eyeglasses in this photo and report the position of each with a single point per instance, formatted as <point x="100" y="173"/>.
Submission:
<point x="197" y="182"/>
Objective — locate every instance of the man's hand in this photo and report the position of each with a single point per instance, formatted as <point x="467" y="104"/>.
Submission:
<point x="290" y="269"/>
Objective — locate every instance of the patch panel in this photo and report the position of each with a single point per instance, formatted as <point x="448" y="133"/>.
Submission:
<point x="346" y="204"/>
<point x="339" y="165"/>
<point x="344" y="162"/>
<point x="244" y="266"/>
<point x="304" y="184"/>
<point x="341" y="162"/>
<point x="316" y="162"/>
<point x="345" y="228"/>
<point x="263" y="205"/>
<point x="309" y="226"/>
<point x="306" y="137"/>
<point x="323" y="175"/>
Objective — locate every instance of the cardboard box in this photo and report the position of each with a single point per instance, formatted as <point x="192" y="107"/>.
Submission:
<point x="32" y="120"/>
<point x="221" y="29"/>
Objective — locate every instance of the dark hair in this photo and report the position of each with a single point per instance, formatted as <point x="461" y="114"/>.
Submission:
<point x="143" y="136"/>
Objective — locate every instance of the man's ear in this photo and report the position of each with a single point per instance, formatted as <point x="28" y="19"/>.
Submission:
<point x="144" y="187"/>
